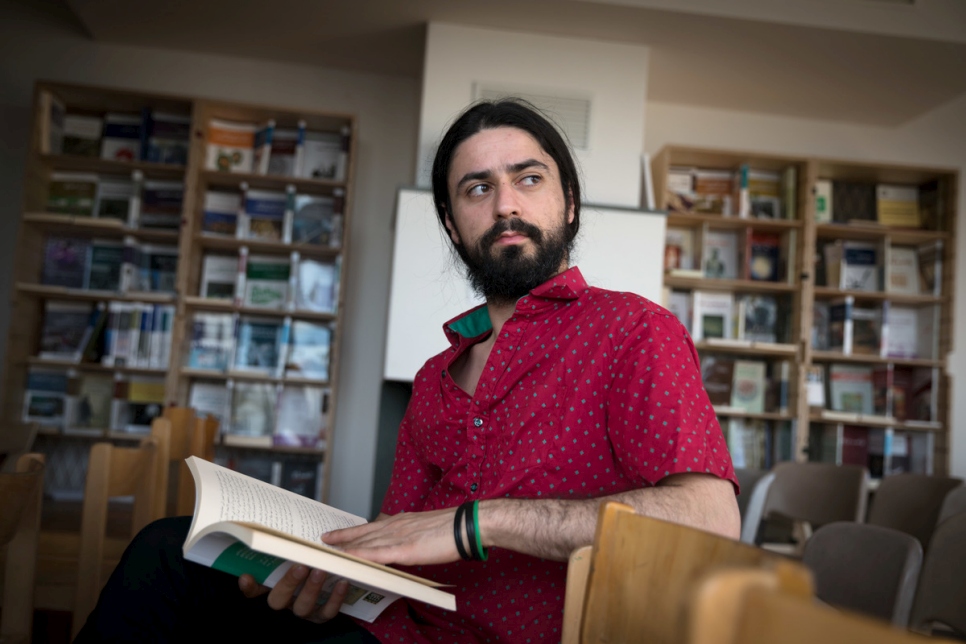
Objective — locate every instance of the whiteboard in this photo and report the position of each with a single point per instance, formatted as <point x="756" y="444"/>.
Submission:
<point x="617" y="248"/>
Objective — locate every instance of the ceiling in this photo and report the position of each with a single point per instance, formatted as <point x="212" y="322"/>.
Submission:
<point x="878" y="62"/>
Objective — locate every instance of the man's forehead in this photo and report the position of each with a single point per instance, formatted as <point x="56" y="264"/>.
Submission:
<point x="498" y="148"/>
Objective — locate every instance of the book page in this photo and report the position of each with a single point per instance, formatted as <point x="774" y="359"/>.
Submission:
<point x="226" y="495"/>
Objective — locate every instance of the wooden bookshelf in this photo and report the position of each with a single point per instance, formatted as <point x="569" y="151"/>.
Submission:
<point x="802" y="289"/>
<point x="39" y="223"/>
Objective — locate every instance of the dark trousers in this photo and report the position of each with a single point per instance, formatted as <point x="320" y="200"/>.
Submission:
<point x="154" y="595"/>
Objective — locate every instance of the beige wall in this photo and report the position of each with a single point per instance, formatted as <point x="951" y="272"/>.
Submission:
<point x="386" y="108"/>
<point x="937" y="139"/>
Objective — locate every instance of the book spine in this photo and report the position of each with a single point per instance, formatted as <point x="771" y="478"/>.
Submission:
<point x="884" y="331"/>
<point x="744" y="199"/>
<point x="147" y="125"/>
<point x="241" y="275"/>
<point x="289" y="218"/>
<point x="847" y="327"/>
<point x="134" y="206"/>
<point x="242" y="225"/>
<point x="283" y="346"/>
<point x="300" y="150"/>
<point x="233" y="347"/>
<point x="263" y="147"/>
<point x="293" y="280"/>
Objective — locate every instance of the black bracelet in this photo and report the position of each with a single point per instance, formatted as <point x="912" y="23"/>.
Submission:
<point x="458" y="533"/>
<point x="474" y="546"/>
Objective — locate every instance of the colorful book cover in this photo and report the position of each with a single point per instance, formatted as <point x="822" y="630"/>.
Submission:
<point x="265" y="211"/>
<point x="65" y="262"/>
<point x="316" y="221"/>
<point x="259" y="344"/>
<point x="267" y="281"/>
<point x="230" y="146"/>
<point x="122" y="137"/>
<point x="324" y="156"/>
<point x="759" y="318"/>
<point x="212" y="341"/>
<point x="82" y="135"/>
<point x="281" y="162"/>
<point x="721" y="254"/>
<point x="165" y="137"/>
<point x="104" y="265"/>
<point x="748" y="387"/>
<point x="219" y="274"/>
<point x="851" y="388"/>
<point x="220" y="214"/>
<point x="72" y="193"/>
<point x="764" y="256"/>
<point x="309" y="350"/>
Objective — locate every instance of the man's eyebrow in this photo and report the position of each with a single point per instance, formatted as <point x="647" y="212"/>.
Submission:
<point x="512" y="168"/>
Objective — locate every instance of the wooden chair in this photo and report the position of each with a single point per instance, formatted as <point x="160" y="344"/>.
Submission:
<point x="191" y="435"/>
<point x="742" y="606"/>
<point x="636" y="582"/>
<point x="21" y="498"/>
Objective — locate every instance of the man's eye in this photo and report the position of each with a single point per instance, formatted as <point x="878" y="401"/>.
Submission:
<point x="530" y="180"/>
<point x="478" y="190"/>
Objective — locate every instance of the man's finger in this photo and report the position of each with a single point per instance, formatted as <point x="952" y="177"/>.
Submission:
<point x="280" y="596"/>
<point x="251" y="588"/>
<point x="334" y="603"/>
<point x="306" y="603"/>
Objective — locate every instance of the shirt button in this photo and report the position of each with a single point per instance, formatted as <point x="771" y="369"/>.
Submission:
<point x="473" y="487"/>
<point x="477" y="422"/>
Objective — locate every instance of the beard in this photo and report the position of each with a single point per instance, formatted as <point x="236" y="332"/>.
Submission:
<point x="507" y="274"/>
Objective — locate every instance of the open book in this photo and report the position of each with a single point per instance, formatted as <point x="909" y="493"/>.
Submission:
<point x="243" y="525"/>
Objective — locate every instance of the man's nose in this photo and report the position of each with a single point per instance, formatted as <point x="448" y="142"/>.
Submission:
<point x="507" y="203"/>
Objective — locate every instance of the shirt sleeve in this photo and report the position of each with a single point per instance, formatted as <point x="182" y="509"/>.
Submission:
<point x="660" y="420"/>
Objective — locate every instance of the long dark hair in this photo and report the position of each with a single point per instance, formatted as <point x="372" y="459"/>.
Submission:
<point x="507" y="112"/>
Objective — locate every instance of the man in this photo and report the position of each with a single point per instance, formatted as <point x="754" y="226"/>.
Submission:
<point x="552" y="397"/>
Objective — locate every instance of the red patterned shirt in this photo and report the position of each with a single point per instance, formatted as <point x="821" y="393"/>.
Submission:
<point x="586" y="393"/>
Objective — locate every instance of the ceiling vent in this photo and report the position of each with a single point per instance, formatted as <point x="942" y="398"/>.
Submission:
<point x="569" y="112"/>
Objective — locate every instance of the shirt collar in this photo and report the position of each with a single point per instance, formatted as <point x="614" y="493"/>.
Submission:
<point x="476" y="322"/>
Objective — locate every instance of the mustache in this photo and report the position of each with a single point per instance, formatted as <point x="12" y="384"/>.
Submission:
<point x="510" y="225"/>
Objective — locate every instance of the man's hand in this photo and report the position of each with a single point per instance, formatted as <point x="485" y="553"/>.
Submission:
<point x="305" y="603"/>
<point x="417" y="538"/>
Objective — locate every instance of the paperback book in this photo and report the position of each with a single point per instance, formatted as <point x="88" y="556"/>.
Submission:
<point x="122" y="137"/>
<point x="851" y="389"/>
<point x="309" y="350"/>
<point x="758" y="318"/>
<point x="250" y="538"/>
<point x="324" y="156"/>
<point x="161" y="205"/>
<point x="764" y="256"/>
<point x="212" y="341"/>
<point x="317" y="221"/>
<point x="45" y="397"/>
<point x="72" y="193"/>
<point x="748" y="388"/>
<point x="714" y="315"/>
<point x="220" y="215"/>
<point x="117" y="198"/>
<point x="219" y="275"/>
<point x="82" y="135"/>
<point x="301" y="416"/>
<point x="285" y="144"/>
<point x="211" y="399"/>
<point x="721" y="254"/>
<point x="230" y="146"/>
<point x="717" y="373"/>
<point x="317" y="286"/>
<point x="267" y="281"/>
<point x="260" y="345"/>
<point x="252" y="414"/>
<point x="165" y="137"/>
<point x="65" y="262"/>
<point x="64" y="330"/>
<point x="265" y="214"/>
<point x="91" y="404"/>
<point x="105" y="259"/>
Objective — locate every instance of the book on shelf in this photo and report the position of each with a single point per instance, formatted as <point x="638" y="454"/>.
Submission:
<point x="211" y="399"/>
<point x="855" y="445"/>
<point x="900" y="390"/>
<point x="266" y="282"/>
<point x="259" y="345"/>
<point x="262" y="466"/>
<point x="247" y="538"/>
<point x="778" y="386"/>
<point x="712" y="192"/>
<point x="45" y="397"/>
<point x="252" y="414"/>
<point x="263" y="216"/>
<point x="53" y="111"/>
<point x="219" y="276"/>
<point x="840" y="324"/>
<point x="301" y="416"/>
<point x="285" y="145"/>
<point x="317" y="220"/>
<point x="714" y="315"/>
<point x="902" y="339"/>
<point x="117" y="198"/>
<point x="309" y="350"/>
<point x="931" y="268"/>
<point x="757" y="318"/>
<point x="137" y="402"/>
<point x="764" y="256"/>
<point x="824" y="444"/>
<point x="220" y="212"/>
<point x="212" y="341"/>
<point x="230" y="146"/>
<point x="720" y="254"/>
<point x="860" y="266"/>
<point x="105" y="259"/>
<point x="820" y="325"/>
<point x="679" y="304"/>
<point x="922" y="401"/>
<point x="262" y="146"/>
<point x="853" y="201"/>
<point x="157" y="268"/>
<point x="746" y="442"/>
<point x="850" y="388"/>
<point x="932" y="204"/>
<point x="764" y="194"/>
<point x="790" y="192"/>
<point x="823" y="201"/>
<point x="72" y="193"/>
<point x="867" y="330"/>
<point x="323" y="155"/>
<point x="138" y="334"/>
<point x="317" y="286"/>
<point x="897" y="205"/>
<point x="717" y="374"/>
<point x="122" y="137"/>
<point x="902" y="270"/>
<point x="679" y="249"/>
<point x="301" y="476"/>
<point x="161" y="204"/>
<point x="165" y="137"/>
<point x="82" y="135"/>
<point x="65" y="329"/>
<point x="815" y="386"/>
<point x="65" y="261"/>
<point x="90" y="404"/>
<point x="748" y="386"/>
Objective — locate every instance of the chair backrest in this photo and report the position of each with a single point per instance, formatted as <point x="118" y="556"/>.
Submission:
<point x="738" y="607"/>
<point x="747" y="479"/>
<point x="21" y="499"/>
<point x="191" y="435"/>
<point x="818" y="493"/>
<point x="864" y="568"/>
<point x="643" y="571"/>
<point x="755" y="508"/>
<point x="954" y="503"/>
<point x="16" y="439"/>
<point x="911" y="503"/>
<point x="941" y="595"/>
<point x="115" y="472"/>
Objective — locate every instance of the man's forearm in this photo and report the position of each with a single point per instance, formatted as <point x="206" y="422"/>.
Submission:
<point x="552" y="528"/>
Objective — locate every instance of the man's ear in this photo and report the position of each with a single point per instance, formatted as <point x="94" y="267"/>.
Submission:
<point x="450" y="226"/>
<point x="571" y="209"/>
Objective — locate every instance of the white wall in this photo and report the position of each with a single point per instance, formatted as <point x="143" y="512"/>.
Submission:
<point x="36" y="48"/>
<point x="937" y="139"/>
<point x="614" y="76"/>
